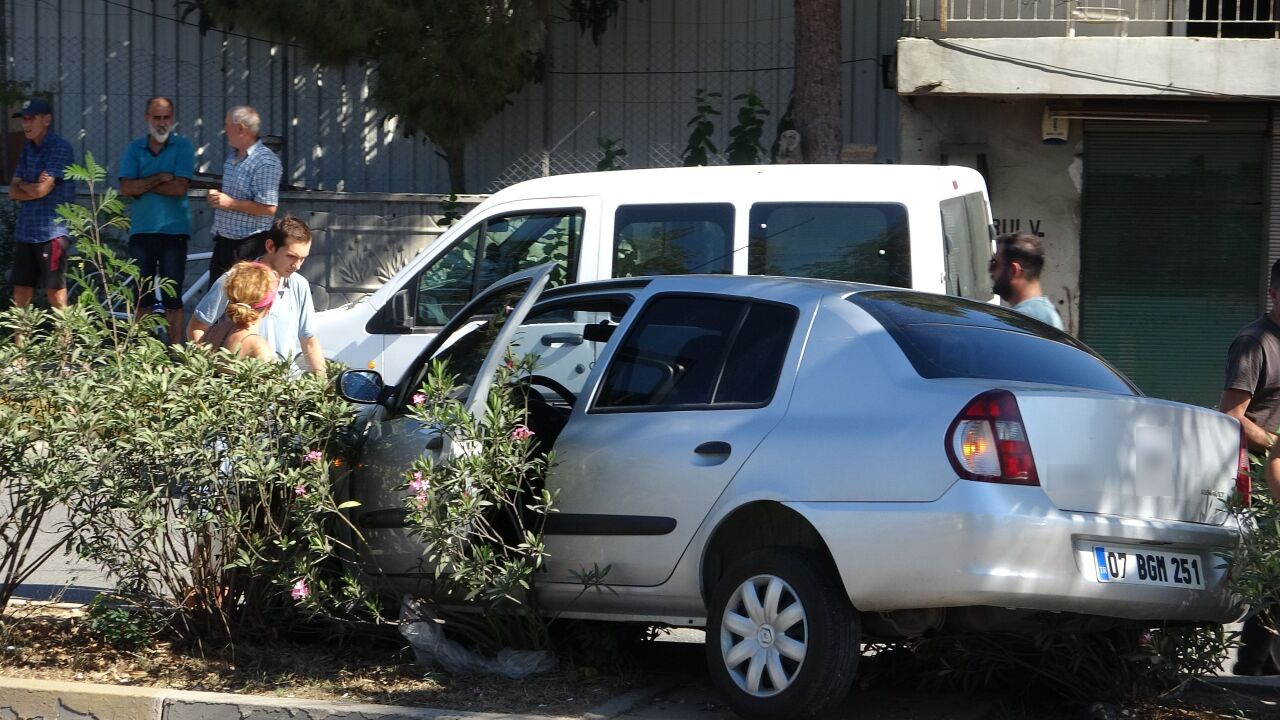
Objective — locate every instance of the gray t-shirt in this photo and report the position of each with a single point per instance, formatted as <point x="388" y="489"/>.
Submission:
<point x="1253" y="365"/>
<point x="1042" y="309"/>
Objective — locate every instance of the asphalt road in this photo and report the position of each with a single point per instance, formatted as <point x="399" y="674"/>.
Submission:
<point x="63" y="576"/>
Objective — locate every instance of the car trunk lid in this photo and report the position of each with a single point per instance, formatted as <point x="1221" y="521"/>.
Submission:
<point x="1132" y="456"/>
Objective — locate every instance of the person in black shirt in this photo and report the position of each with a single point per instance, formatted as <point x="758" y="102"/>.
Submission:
<point x="1251" y="394"/>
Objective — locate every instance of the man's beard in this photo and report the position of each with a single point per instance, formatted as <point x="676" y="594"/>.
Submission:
<point x="1000" y="285"/>
<point x="161" y="136"/>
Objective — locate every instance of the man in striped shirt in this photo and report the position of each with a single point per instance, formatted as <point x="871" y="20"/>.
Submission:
<point x="245" y="207"/>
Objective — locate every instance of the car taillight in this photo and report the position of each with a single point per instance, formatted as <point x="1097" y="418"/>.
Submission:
<point x="988" y="442"/>
<point x="1243" y="479"/>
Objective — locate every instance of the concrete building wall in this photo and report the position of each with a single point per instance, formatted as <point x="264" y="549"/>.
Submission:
<point x="1090" y="67"/>
<point x="1035" y="187"/>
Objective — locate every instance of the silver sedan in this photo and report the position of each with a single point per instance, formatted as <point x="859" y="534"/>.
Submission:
<point x="799" y="465"/>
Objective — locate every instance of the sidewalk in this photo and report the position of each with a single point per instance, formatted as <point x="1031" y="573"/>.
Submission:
<point x="24" y="699"/>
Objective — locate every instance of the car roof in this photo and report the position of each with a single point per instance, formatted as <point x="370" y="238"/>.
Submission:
<point x="754" y="182"/>
<point x="758" y="286"/>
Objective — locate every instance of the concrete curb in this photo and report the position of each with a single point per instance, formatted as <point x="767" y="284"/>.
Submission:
<point x="1266" y="686"/>
<point x="29" y="699"/>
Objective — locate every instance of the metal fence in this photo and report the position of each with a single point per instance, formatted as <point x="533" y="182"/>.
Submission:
<point x="1189" y="18"/>
<point x="359" y="240"/>
<point x="537" y="164"/>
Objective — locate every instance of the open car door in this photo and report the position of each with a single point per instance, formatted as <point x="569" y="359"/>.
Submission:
<point x="473" y="342"/>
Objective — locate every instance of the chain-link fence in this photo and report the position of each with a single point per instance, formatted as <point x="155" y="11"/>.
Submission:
<point x="537" y="164"/>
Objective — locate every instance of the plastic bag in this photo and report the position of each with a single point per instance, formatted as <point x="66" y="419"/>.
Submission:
<point x="425" y="633"/>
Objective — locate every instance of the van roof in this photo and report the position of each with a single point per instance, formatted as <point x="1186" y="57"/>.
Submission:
<point x="786" y="182"/>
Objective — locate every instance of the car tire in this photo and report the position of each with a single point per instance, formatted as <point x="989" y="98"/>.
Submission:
<point x="802" y="670"/>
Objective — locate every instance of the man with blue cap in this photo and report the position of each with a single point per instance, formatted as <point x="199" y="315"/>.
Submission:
<point x="39" y="186"/>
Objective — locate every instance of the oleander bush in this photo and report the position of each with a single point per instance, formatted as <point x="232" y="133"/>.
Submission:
<point x="209" y="487"/>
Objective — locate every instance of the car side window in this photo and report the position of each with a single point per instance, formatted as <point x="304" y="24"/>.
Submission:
<point x="504" y="245"/>
<point x="858" y="242"/>
<point x="689" y="352"/>
<point x="568" y="336"/>
<point x="673" y="239"/>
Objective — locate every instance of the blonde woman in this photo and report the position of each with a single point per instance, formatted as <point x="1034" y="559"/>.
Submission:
<point x="250" y="288"/>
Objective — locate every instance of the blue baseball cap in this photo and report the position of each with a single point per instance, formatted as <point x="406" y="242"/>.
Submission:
<point x="34" y="106"/>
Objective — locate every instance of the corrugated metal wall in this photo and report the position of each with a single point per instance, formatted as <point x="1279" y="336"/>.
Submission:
<point x="103" y="58"/>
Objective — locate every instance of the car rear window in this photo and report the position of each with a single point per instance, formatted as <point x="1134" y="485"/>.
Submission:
<point x="946" y="337"/>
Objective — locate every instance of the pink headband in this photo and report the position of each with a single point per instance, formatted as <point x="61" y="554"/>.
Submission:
<point x="268" y="297"/>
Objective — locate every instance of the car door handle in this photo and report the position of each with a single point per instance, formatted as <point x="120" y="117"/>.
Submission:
<point x="561" y="339"/>
<point x="713" y="447"/>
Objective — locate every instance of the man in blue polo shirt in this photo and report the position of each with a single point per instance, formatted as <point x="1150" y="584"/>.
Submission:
<point x="155" y="171"/>
<point x="244" y="208"/>
<point x="39" y="186"/>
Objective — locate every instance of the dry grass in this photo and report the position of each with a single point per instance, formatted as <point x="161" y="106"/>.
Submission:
<point x="54" y="642"/>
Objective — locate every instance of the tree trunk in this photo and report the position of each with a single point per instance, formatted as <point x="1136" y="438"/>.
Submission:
<point x="817" y="84"/>
<point x="455" y="155"/>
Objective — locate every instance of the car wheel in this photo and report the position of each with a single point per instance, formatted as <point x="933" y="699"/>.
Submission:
<point x="782" y="637"/>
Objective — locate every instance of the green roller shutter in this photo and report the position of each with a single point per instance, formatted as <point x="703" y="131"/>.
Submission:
<point x="1170" y="247"/>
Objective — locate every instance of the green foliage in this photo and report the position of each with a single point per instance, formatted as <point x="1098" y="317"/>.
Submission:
<point x="481" y="511"/>
<point x="203" y="483"/>
<point x="700" y="148"/>
<point x="612" y="153"/>
<point x="1255" y="563"/>
<point x="744" y="138"/>
<point x="1124" y="665"/>
<point x="444" y="68"/>
<point x="123" y="626"/>
<point x="453" y="211"/>
<point x="15" y="91"/>
<point x="593" y="15"/>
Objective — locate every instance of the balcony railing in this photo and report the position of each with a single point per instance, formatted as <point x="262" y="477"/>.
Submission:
<point x="1029" y="18"/>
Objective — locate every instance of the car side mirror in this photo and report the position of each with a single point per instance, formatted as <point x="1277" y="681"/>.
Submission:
<point x="400" y="317"/>
<point x="598" y="332"/>
<point x="360" y="386"/>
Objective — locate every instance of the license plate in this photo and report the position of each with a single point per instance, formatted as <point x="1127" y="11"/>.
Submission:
<point x="1139" y="566"/>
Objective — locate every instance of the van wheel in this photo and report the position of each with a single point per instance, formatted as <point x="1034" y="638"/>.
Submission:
<point x="782" y="637"/>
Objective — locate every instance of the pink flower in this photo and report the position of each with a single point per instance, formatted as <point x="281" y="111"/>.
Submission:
<point x="419" y="484"/>
<point x="313" y="456"/>
<point x="521" y="433"/>
<point x="300" y="589"/>
<point x="419" y="398"/>
<point x="300" y="490"/>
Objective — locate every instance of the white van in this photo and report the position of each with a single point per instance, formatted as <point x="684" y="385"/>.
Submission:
<point x="921" y="227"/>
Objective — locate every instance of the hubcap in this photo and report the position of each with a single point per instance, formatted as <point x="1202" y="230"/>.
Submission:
<point x="764" y="636"/>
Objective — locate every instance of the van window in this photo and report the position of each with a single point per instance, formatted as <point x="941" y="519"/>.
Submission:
<point x="672" y="239"/>
<point x="504" y="244"/>
<point x="859" y="242"/>
<point x="968" y="246"/>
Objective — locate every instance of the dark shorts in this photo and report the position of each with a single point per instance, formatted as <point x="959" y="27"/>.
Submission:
<point x="41" y="264"/>
<point x="229" y="251"/>
<point x="164" y="255"/>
